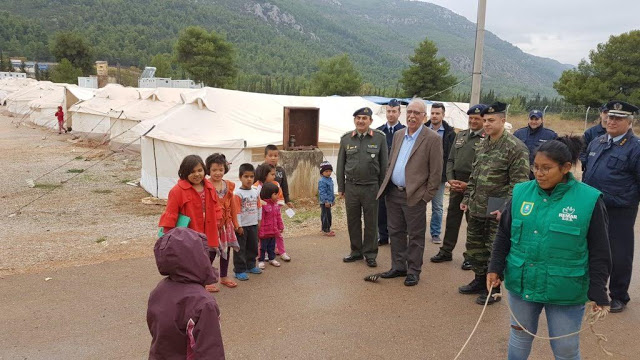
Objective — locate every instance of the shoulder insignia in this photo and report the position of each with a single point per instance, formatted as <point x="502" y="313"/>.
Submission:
<point x="378" y="131"/>
<point x="350" y="133"/>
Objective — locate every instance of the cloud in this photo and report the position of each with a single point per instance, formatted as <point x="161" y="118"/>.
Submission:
<point x="565" y="30"/>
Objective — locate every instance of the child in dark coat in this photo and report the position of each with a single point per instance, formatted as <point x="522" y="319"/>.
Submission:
<point x="183" y="318"/>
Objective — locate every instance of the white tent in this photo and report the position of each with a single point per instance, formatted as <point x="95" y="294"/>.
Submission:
<point x="152" y="103"/>
<point x="18" y="101"/>
<point x="42" y="110"/>
<point x="11" y="85"/>
<point x="237" y="124"/>
<point x="92" y="116"/>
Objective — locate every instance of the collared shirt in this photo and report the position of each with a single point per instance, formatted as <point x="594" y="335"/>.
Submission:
<point x="615" y="139"/>
<point x="440" y="130"/>
<point x="397" y="176"/>
<point x="391" y="128"/>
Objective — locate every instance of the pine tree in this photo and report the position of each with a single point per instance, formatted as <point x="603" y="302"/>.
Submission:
<point x="428" y="73"/>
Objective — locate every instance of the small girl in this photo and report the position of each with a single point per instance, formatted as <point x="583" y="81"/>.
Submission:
<point x="217" y="166"/>
<point x="60" y="115"/>
<point x="266" y="173"/>
<point x="271" y="224"/>
<point x="194" y="196"/>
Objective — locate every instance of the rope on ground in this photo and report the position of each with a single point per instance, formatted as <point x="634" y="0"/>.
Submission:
<point x="124" y="146"/>
<point x="591" y="317"/>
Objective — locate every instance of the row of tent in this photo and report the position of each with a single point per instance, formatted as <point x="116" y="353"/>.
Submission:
<point x="166" y="124"/>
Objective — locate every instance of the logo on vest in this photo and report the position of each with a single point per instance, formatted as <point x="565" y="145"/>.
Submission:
<point x="567" y="214"/>
<point x="526" y="208"/>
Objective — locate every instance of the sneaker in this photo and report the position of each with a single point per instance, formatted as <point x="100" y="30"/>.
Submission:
<point x="436" y="239"/>
<point x="261" y="265"/>
<point x="255" y="270"/>
<point x="274" y="263"/>
<point x="285" y="257"/>
<point x="242" y="276"/>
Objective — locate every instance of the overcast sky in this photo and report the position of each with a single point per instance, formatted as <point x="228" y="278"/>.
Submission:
<point x="564" y="30"/>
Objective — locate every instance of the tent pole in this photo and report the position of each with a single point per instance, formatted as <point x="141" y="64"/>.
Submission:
<point x="155" y="163"/>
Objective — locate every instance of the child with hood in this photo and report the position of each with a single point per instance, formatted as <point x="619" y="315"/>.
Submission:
<point x="183" y="318"/>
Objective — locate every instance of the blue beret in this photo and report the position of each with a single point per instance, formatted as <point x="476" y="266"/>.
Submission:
<point x="363" y="111"/>
<point x="621" y="108"/>
<point x="394" y="103"/>
<point x="496" y="107"/>
<point x="535" y="113"/>
<point x="476" y="109"/>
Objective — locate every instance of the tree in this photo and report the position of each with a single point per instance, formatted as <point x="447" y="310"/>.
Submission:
<point x="73" y="47"/>
<point x="613" y="71"/>
<point x="23" y="67"/>
<point x="162" y="63"/>
<point x="65" y="72"/>
<point x="3" y="63"/>
<point x="428" y="74"/>
<point x="335" y="76"/>
<point x="36" y="71"/>
<point x="206" y="57"/>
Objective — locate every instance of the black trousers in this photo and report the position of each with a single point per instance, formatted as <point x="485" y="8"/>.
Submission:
<point x="245" y="259"/>
<point x="325" y="218"/>
<point x="621" y="240"/>
<point x="453" y="222"/>
<point x="383" y="232"/>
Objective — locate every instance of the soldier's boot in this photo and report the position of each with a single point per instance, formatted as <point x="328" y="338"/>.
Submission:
<point x="483" y="297"/>
<point x="477" y="286"/>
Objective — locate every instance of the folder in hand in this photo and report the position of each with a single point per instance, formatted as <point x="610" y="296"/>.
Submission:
<point x="494" y="204"/>
<point x="183" y="221"/>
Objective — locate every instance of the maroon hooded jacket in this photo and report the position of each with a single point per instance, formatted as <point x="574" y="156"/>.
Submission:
<point x="182" y="316"/>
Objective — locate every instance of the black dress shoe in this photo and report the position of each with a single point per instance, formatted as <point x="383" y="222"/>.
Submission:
<point x="411" y="280"/>
<point x="617" y="306"/>
<point x="440" y="257"/>
<point x="393" y="274"/>
<point x="477" y="286"/>
<point x="352" y="258"/>
<point x="466" y="265"/>
<point x="372" y="263"/>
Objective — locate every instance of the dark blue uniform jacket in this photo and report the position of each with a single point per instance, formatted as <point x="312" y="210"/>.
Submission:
<point x="389" y="136"/>
<point x="590" y="134"/>
<point x="533" y="138"/>
<point x="614" y="169"/>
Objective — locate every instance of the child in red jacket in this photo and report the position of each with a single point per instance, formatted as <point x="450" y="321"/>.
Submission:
<point x="194" y="196"/>
<point x="271" y="224"/>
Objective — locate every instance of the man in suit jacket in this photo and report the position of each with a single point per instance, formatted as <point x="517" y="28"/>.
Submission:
<point x="412" y="179"/>
<point x="391" y="127"/>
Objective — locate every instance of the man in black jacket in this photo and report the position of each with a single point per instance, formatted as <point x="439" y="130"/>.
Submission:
<point x="445" y="131"/>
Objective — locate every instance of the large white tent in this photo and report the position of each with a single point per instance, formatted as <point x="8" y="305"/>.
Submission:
<point x="11" y="85"/>
<point x="92" y="117"/>
<point x="18" y="101"/>
<point x="42" y="110"/>
<point x="237" y="124"/>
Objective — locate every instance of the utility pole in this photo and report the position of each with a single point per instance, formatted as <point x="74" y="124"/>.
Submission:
<point x="476" y="82"/>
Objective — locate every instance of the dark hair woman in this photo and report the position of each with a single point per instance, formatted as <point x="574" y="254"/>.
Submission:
<point x="553" y="249"/>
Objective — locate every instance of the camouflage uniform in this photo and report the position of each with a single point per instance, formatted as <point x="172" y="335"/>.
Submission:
<point x="498" y="166"/>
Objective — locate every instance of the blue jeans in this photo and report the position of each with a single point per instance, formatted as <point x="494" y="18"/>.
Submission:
<point x="436" y="211"/>
<point x="561" y="320"/>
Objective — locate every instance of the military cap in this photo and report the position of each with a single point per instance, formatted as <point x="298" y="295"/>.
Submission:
<point x="476" y="109"/>
<point x="394" y="103"/>
<point x="363" y="111"/>
<point x="603" y="108"/>
<point x="495" y="108"/>
<point x="536" y="114"/>
<point x="621" y="108"/>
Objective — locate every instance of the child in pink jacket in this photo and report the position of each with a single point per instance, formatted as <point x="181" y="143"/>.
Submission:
<point x="271" y="224"/>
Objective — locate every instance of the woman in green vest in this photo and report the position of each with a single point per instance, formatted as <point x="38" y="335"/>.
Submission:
<point x="553" y="249"/>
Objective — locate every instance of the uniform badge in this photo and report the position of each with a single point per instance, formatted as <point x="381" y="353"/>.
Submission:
<point x="373" y="155"/>
<point x="617" y="106"/>
<point x="526" y="208"/>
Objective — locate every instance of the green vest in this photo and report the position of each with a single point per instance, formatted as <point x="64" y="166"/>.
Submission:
<point x="549" y="259"/>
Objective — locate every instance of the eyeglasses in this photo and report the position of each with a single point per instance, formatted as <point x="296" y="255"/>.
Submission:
<point x="414" y="112"/>
<point x="542" y="170"/>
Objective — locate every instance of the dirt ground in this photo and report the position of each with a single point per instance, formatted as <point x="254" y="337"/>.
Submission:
<point x="76" y="269"/>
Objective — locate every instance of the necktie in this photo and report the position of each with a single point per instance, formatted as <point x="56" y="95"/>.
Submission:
<point x="391" y="130"/>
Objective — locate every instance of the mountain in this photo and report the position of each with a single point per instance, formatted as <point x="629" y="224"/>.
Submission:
<point x="281" y="37"/>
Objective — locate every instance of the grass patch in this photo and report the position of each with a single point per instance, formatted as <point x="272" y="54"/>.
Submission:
<point x="75" y="171"/>
<point x="101" y="239"/>
<point x="103" y="191"/>
<point x="78" y="158"/>
<point x="125" y="181"/>
<point x="47" y="186"/>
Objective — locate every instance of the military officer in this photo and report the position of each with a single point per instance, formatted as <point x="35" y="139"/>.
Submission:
<point x="501" y="162"/>
<point x="613" y="167"/>
<point x="362" y="162"/>
<point x="458" y="171"/>
<point x="594" y="132"/>
<point x="534" y="134"/>
<point x="392" y="125"/>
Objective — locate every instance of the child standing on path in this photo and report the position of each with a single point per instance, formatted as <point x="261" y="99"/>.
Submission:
<point x="194" y="196"/>
<point x="60" y="115"/>
<point x="326" y="196"/>
<point x="271" y="157"/>
<point x="271" y="224"/>
<point x="249" y="216"/>
<point x="217" y="166"/>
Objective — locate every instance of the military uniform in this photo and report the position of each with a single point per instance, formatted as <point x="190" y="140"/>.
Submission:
<point x="459" y="166"/>
<point x="613" y="167"/>
<point x="383" y="232"/>
<point x="362" y="163"/>
<point x="497" y="168"/>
